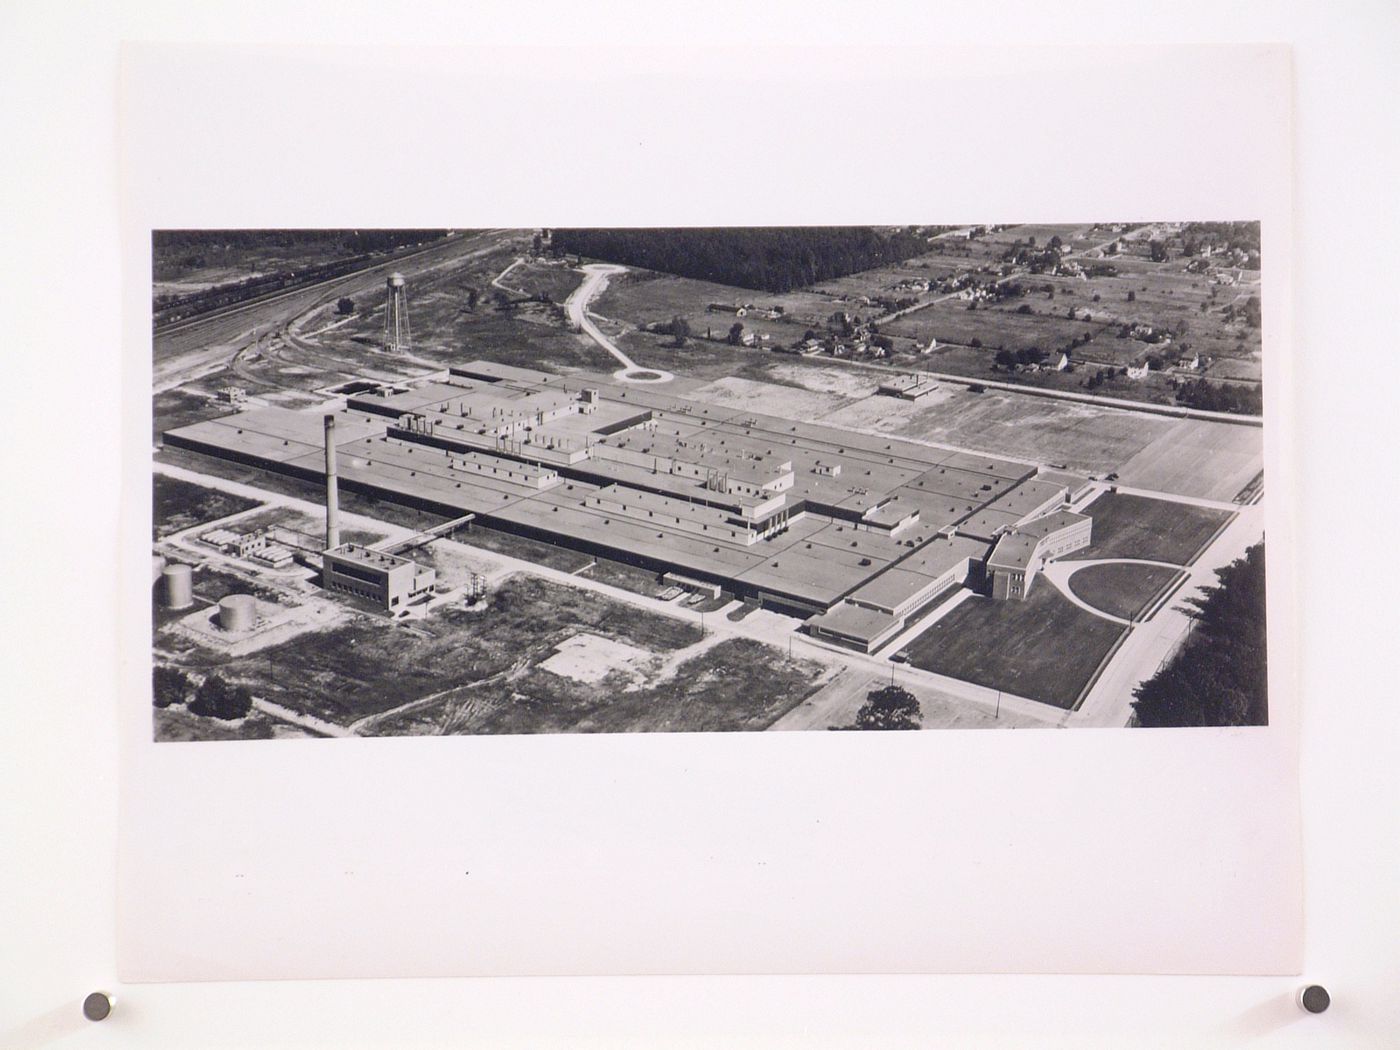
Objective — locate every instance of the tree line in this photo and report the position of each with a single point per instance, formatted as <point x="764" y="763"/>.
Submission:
<point x="1219" y="677"/>
<point x="354" y="242"/>
<point x="771" y="259"/>
<point x="1221" y="397"/>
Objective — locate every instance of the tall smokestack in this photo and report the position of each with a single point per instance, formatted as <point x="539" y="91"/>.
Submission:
<point x="332" y="495"/>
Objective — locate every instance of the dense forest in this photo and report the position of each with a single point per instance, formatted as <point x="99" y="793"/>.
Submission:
<point x="1219" y="677"/>
<point x="1241" y="235"/>
<point x="771" y="259"/>
<point x="350" y="242"/>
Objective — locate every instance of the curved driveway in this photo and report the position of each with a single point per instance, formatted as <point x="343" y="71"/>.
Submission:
<point x="1059" y="572"/>
<point x="577" y="307"/>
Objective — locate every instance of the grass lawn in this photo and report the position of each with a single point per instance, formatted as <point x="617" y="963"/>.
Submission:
<point x="212" y="584"/>
<point x="534" y="551"/>
<point x="628" y="577"/>
<point x="1045" y="648"/>
<point x="175" y="723"/>
<point x="1122" y="589"/>
<point x="535" y="278"/>
<point x="737" y="685"/>
<point x="1150" y="529"/>
<point x="182" y="505"/>
<point x="367" y="666"/>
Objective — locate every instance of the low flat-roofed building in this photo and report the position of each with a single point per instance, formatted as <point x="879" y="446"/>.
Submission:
<point x="892" y="516"/>
<point x="1030" y="499"/>
<point x="908" y="387"/>
<point x="1075" y="484"/>
<point x="386" y="579"/>
<point x="854" y="627"/>
<point x="987" y="524"/>
<point x="1020" y="555"/>
<point x="898" y="592"/>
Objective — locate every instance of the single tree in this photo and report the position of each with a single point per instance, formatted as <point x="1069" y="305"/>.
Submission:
<point x="215" y="698"/>
<point x="472" y="296"/>
<point x="170" y="686"/>
<point x="345" y="306"/>
<point x="736" y="333"/>
<point x="210" y="697"/>
<point x="891" y="707"/>
<point x="680" y="330"/>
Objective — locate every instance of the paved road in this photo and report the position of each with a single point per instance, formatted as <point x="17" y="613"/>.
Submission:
<point x="577" y="307"/>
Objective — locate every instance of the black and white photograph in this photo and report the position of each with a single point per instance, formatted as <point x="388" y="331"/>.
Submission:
<point x="707" y="479"/>
<point x="581" y="448"/>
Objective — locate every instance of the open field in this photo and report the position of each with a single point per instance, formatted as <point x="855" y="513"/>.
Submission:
<point x="1127" y="526"/>
<point x="797" y="403"/>
<point x="996" y="326"/>
<point x="1198" y="458"/>
<point x="182" y="505"/>
<point x="735" y="685"/>
<point x="1085" y="436"/>
<point x="1076" y="235"/>
<point x="556" y="282"/>
<point x="211" y="584"/>
<point x="366" y="667"/>
<point x="1044" y="648"/>
<point x="628" y="577"/>
<point x="1122" y="589"/>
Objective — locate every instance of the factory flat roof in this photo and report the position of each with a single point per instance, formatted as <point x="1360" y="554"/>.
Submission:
<point x="366" y="556"/>
<point x="891" y="512"/>
<point x="814" y="559"/>
<point x="1028" y="497"/>
<point x="936" y="558"/>
<point x="893" y="589"/>
<point x="984" y="524"/>
<point x="855" y="622"/>
<point x="1017" y="549"/>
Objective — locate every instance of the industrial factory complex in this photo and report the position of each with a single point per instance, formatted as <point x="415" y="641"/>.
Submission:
<point x="855" y="533"/>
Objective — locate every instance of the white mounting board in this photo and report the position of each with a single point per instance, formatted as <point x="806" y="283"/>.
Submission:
<point x="62" y="760"/>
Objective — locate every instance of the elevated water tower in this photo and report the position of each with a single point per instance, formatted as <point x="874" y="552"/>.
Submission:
<point x="396" y="333"/>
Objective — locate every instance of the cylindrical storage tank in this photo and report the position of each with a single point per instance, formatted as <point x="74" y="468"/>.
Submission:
<point x="157" y="567"/>
<point x="237" y="612"/>
<point x="179" y="587"/>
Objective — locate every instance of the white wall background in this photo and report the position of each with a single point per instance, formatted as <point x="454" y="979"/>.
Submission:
<point x="58" y="756"/>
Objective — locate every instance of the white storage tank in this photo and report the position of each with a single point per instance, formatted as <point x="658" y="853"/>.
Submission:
<point x="179" y="586"/>
<point x="237" y="612"/>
